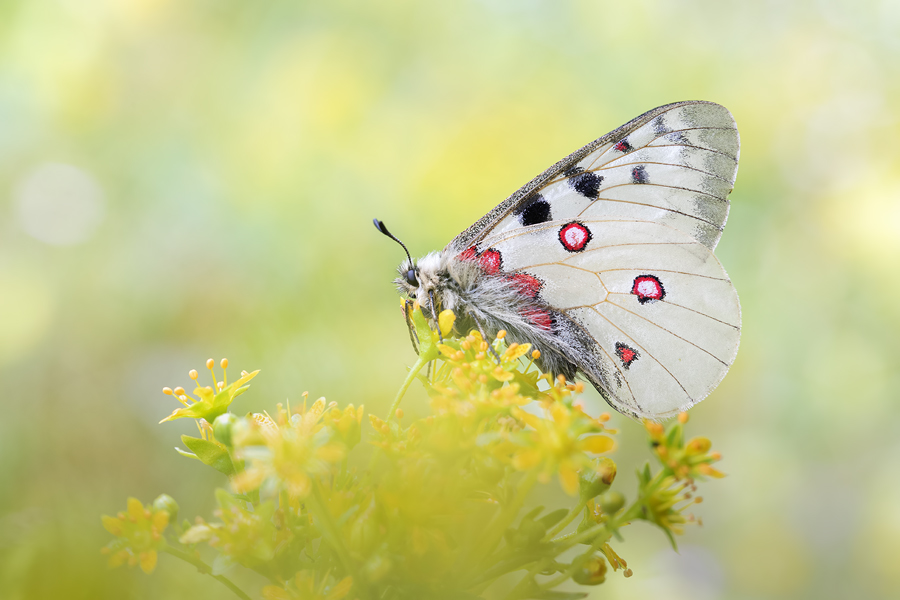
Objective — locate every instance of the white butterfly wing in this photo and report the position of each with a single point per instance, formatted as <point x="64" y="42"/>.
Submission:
<point x="620" y="236"/>
<point x="675" y="165"/>
<point x="656" y="305"/>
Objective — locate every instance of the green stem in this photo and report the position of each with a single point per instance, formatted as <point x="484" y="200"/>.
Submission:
<point x="526" y="580"/>
<point x="563" y="544"/>
<point x="206" y="569"/>
<point x="501" y="567"/>
<point x="633" y="512"/>
<point x="423" y="360"/>
<point x="496" y="529"/>
<point x="333" y="537"/>
<point x="567" y="574"/>
<point x="568" y="519"/>
<point x="570" y="539"/>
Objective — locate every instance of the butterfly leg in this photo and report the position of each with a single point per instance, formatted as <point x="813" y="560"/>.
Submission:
<point x="413" y="336"/>
<point x="484" y="337"/>
<point x="434" y="315"/>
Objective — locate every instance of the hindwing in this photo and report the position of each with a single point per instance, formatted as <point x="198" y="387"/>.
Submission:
<point x="656" y="305"/>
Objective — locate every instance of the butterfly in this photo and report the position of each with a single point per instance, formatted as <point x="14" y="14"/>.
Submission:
<point x="604" y="262"/>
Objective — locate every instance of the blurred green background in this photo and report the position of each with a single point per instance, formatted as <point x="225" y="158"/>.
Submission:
<point x="191" y="179"/>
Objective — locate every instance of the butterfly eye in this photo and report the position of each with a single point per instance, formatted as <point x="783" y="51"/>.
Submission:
<point x="411" y="278"/>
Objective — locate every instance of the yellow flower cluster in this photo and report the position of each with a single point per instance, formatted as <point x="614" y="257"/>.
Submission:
<point x="441" y="509"/>
<point x="288" y="451"/>
<point x="667" y="494"/>
<point x="139" y="534"/>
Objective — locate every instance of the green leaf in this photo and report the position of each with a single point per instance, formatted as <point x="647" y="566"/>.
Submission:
<point x="532" y="514"/>
<point x="644" y="475"/>
<point x="671" y="538"/>
<point x="186" y="453"/>
<point x="551" y="519"/>
<point x="673" y="437"/>
<point x="211" y="453"/>
<point x="227" y="501"/>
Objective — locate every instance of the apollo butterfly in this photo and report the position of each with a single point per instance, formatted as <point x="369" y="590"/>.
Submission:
<point x="604" y="263"/>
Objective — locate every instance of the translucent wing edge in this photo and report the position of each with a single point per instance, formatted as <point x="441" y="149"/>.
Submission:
<point x="480" y="228"/>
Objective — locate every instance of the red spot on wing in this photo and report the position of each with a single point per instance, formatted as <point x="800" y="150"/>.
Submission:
<point x="623" y="146"/>
<point x="528" y="285"/>
<point x="626" y="354"/>
<point x="490" y="261"/>
<point x="574" y="236"/>
<point x="469" y="253"/>
<point x="647" y="288"/>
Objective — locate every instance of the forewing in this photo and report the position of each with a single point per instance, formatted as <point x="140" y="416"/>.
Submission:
<point x="659" y="309"/>
<point x="675" y="165"/>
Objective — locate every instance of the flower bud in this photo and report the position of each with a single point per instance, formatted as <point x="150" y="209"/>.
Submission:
<point x="698" y="445"/>
<point x="594" y="481"/>
<point x="611" y="502"/>
<point x="167" y="503"/>
<point x="591" y="571"/>
<point x="223" y="428"/>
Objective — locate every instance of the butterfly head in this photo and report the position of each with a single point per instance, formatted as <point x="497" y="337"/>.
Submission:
<point x="418" y="279"/>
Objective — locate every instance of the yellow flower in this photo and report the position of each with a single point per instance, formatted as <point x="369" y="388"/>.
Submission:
<point x="346" y="424"/>
<point x="666" y="495"/>
<point x="559" y="442"/>
<point x="210" y="401"/>
<point x="139" y="535"/>
<point x="684" y="460"/>
<point x="287" y="451"/>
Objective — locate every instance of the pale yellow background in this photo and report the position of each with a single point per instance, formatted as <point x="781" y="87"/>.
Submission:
<point x="186" y="179"/>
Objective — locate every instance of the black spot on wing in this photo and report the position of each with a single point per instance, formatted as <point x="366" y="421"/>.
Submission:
<point x="659" y="125"/>
<point x="678" y="137"/>
<point x="639" y="174"/>
<point x="587" y="184"/>
<point x="534" y="210"/>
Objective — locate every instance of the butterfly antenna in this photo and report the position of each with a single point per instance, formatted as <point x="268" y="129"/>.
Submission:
<point x="379" y="225"/>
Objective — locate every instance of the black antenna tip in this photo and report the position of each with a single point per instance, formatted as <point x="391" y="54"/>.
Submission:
<point x="379" y="225"/>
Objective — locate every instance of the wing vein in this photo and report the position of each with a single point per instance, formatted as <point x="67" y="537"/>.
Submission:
<point x="672" y="333"/>
<point x="611" y="360"/>
<point x="703" y="314"/>
<point x="610" y="165"/>
<point x="657" y="137"/>
<point x="690" y="146"/>
<point x="662" y="271"/>
<point x="632" y="202"/>
<point x="602" y="316"/>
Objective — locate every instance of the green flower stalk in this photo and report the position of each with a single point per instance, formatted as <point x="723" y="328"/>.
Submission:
<point x="443" y="507"/>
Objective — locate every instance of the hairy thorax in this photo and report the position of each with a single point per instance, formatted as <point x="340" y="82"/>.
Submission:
<point x="489" y="302"/>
